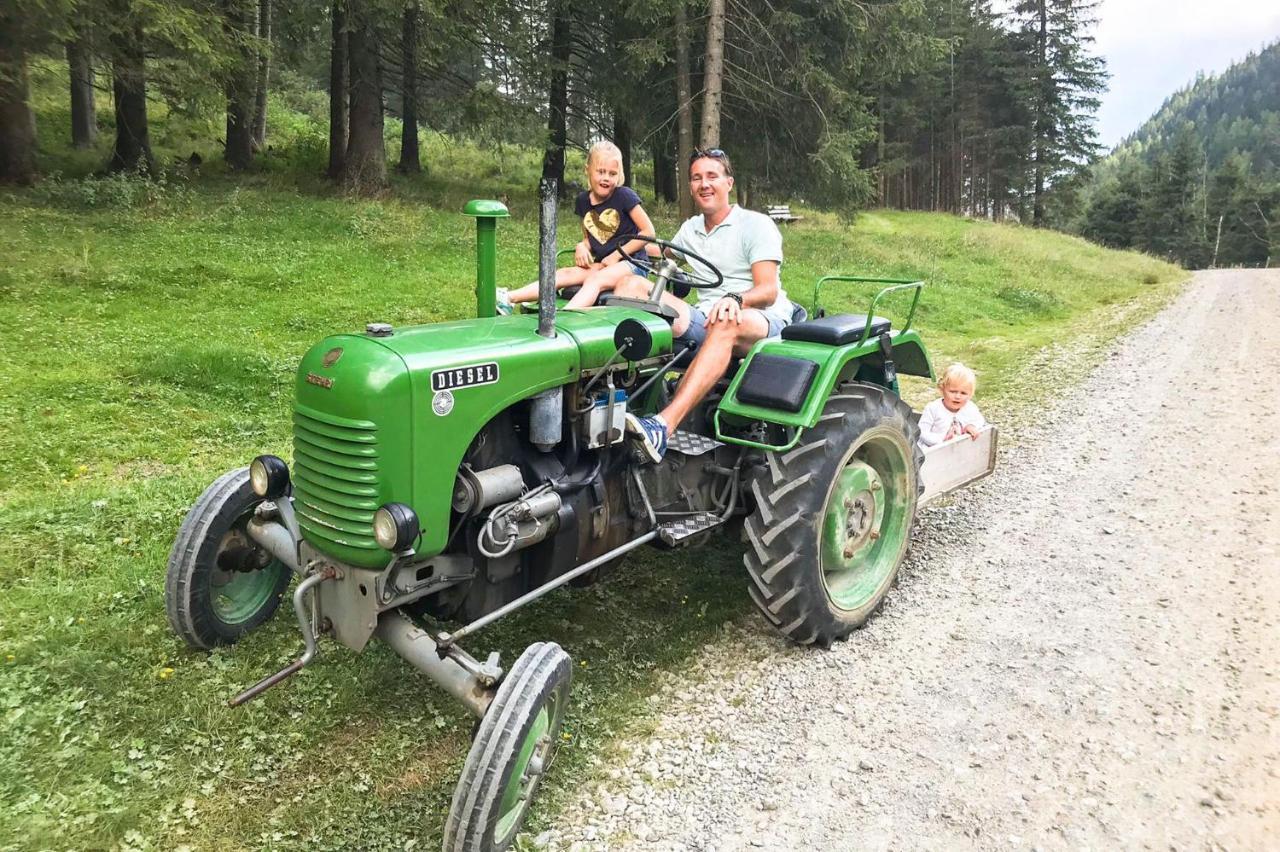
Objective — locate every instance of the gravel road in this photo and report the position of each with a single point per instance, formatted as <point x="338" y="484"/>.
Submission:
<point x="1083" y="652"/>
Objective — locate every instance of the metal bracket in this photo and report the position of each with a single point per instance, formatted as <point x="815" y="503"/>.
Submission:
<point x="394" y="591"/>
<point x="599" y="512"/>
<point x="886" y="351"/>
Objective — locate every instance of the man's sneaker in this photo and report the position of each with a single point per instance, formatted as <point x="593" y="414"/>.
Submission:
<point x="651" y="433"/>
<point x="504" y="302"/>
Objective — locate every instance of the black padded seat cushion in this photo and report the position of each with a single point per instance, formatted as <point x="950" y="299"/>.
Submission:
<point x="835" y="330"/>
<point x="775" y="381"/>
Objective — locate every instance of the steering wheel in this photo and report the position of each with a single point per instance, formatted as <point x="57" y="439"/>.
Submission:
<point x="662" y="265"/>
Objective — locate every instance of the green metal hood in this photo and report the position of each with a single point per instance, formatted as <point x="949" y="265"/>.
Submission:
<point x="381" y="419"/>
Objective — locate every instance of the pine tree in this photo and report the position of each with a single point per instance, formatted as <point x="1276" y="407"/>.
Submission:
<point x="84" y="116"/>
<point x="1065" y="79"/>
<point x="339" y="84"/>
<point x="241" y="77"/>
<point x="1173" y="214"/>
<point x="410" y="163"/>
<point x="365" y="168"/>
<point x="558" y="92"/>
<point x="17" y="121"/>
<point x="1114" y="216"/>
<point x="132" y="148"/>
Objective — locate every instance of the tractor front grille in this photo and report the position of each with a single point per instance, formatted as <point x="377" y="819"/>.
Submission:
<point x="335" y="477"/>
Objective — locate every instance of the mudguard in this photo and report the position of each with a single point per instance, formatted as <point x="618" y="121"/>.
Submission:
<point x="864" y="362"/>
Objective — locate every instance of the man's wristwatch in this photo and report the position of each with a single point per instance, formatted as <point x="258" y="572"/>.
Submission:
<point x="737" y="297"/>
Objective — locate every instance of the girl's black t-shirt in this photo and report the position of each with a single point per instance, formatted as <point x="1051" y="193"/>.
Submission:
<point x="608" y="224"/>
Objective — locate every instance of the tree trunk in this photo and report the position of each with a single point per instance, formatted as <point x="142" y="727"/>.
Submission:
<point x="684" y="109"/>
<point x="84" y="115"/>
<point x="1042" y="116"/>
<point x="713" y="75"/>
<point x="239" y="86"/>
<point x="664" y="171"/>
<point x="366" y="168"/>
<point x="622" y="138"/>
<point x="881" y="185"/>
<point x="132" y="149"/>
<point x="338" y="85"/>
<point x="409" y="161"/>
<point x="1217" y="243"/>
<point x="264" y="76"/>
<point x="17" y="122"/>
<point x="558" y="96"/>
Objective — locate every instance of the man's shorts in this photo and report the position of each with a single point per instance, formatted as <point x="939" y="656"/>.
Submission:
<point x="697" y="330"/>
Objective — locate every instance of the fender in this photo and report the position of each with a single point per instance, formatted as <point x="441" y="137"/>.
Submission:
<point x="835" y="364"/>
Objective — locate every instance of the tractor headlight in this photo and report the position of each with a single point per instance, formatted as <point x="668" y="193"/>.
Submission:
<point x="395" y="527"/>
<point x="269" y="477"/>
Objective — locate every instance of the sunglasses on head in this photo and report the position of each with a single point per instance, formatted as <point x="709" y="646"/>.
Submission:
<point x="713" y="153"/>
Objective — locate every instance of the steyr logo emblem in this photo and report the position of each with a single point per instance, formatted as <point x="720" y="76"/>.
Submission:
<point x="331" y="357"/>
<point x="442" y="403"/>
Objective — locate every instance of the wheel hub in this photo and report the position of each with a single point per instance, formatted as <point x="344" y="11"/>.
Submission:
<point x="529" y="766"/>
<point x="857" y="509"/>
<point x="243" y="579"/>
<point x="861" y="517"/>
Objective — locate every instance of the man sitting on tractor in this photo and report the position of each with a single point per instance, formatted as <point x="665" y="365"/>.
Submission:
<point x="750" y="305"/>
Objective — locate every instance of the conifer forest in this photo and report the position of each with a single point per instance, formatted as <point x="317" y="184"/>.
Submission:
<point x="973" y="107"/>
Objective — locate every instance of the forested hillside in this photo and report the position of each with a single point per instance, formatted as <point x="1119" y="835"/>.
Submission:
<point x="921" y="104"/>
<point x="1200" y="181"/>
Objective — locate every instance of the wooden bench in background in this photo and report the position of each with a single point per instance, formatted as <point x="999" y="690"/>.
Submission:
<point x="781" y="213"/>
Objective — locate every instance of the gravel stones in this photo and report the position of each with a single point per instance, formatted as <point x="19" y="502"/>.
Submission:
<point x="1081" y="652"/>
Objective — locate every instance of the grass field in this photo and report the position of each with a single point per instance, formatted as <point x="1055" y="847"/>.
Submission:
<point x="152" y="335"/>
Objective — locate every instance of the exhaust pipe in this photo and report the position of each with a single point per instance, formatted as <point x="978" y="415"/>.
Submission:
<point x="548" y="190"/>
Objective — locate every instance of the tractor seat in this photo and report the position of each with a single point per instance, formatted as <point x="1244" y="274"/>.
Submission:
<point x="835" y="330"/>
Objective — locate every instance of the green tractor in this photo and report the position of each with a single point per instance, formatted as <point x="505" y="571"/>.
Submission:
<point x="446" y="475"/>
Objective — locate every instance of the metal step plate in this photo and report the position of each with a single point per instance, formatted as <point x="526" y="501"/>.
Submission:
<point x="691" y="443"/>
<point x="673" y="532"/>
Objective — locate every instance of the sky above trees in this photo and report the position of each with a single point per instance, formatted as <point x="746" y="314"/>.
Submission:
<point x="1155" y="47"/>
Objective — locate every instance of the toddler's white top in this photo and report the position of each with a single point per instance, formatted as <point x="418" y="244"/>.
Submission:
<point x="936" y="421"/>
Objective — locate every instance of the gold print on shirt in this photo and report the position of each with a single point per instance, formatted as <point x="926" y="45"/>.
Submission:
<point x="602" y="225"/>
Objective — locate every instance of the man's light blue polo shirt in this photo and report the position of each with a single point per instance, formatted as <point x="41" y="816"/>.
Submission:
<point x="743" y="238"/>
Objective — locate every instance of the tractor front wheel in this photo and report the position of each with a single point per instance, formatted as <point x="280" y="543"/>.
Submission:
<point x="832" y="516"/>
<point x="220" y="584"/>
<point x="513" y="747"/>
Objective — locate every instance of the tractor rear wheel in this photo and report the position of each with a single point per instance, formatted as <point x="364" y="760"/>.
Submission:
<point x="220" y="584"/>
<point x="513" y="747"/>
<point x="832" y="516"/>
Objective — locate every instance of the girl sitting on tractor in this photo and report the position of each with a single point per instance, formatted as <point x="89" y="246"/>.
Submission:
<point x="611" y="215"/>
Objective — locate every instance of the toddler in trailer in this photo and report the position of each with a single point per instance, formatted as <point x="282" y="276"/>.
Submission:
<point x="611" y="217"/>
<point x="954" y="414"/>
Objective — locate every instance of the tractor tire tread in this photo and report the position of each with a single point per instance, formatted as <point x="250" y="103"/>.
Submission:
<point x="183" y="605"/>
<point x="783" y="530"/>
<point x="473" y="814"/>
